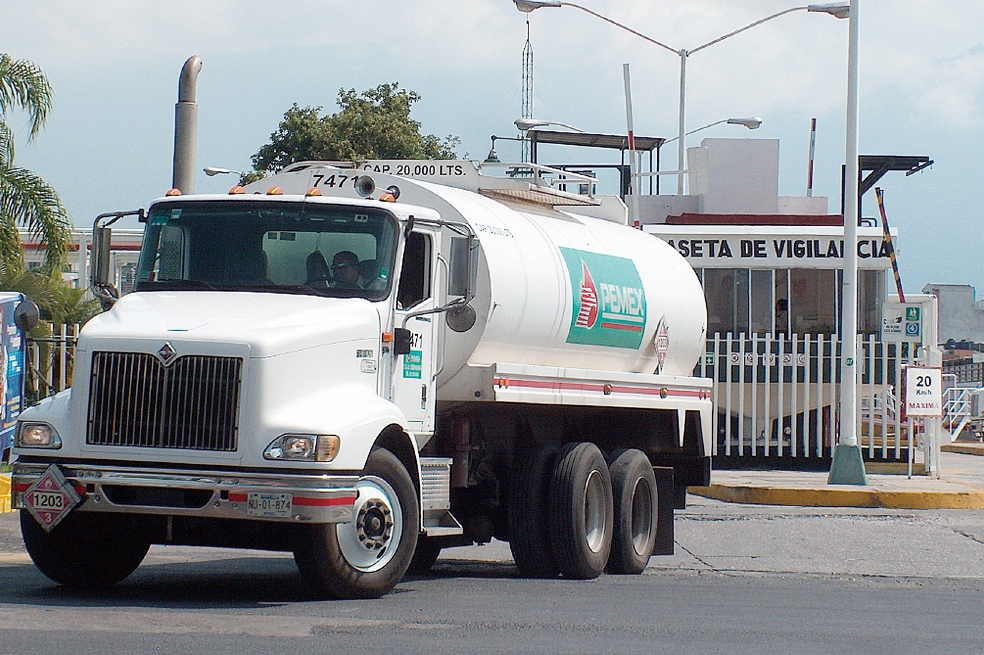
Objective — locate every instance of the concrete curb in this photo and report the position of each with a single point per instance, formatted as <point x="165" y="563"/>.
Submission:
<point x="838" y="496"/>
<point x="4" y="493"/>
<point x="963" y="448"/>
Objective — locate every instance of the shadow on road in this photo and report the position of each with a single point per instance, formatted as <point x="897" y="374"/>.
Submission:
<point x="237" y="582"/>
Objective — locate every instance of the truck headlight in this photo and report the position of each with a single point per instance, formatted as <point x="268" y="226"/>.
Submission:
<point x="37" y="435"/>
<point x="303" y="447"/>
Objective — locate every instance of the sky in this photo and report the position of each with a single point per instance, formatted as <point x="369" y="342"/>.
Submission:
<point x="114" y="66"/>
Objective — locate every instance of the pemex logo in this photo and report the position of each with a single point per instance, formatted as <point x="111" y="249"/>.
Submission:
<point x="588" y="315"/>
<point x="608" y="300"/>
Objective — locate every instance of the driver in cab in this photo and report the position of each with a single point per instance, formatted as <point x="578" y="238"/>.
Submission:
<point x="345" y="270"/>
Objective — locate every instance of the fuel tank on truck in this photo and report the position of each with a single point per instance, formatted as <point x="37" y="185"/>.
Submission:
<point x="553" y="287"/>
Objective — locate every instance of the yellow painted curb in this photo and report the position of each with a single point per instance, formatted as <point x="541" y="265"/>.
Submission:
<point x="4" y="493"/>
<point x="894" y="468"/>
<point x="839" y="497"/>
<point x="963" y="448"/>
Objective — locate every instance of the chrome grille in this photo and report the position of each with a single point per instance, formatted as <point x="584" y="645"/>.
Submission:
<point x="135" y="400"/>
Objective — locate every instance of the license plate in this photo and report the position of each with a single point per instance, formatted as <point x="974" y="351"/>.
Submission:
<point x="269" y="505"/>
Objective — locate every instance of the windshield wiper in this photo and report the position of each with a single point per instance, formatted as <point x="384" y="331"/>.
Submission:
<point x="174" y="285"/>
<point x="277" y="288"/>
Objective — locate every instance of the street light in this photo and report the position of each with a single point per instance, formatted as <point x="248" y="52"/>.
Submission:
<point x="752" y="123"/>
<point x="526" y="124"/>
<point x="838" y="10"/>
<point x="212" y="171"/>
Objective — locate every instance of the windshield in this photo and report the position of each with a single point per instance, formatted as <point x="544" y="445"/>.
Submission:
<point x="276" y="247"/>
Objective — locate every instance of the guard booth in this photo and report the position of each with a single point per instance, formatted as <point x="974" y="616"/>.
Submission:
<point x="771" y="269"/>
<point x="772" y="285"/>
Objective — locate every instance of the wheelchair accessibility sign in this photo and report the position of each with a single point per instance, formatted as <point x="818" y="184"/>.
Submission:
<point x="902" y="322"/>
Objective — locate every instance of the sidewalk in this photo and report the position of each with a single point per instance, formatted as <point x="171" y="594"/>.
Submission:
<point x="961" y="486"/>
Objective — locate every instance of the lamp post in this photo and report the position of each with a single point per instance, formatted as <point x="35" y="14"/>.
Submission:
<point x="751" y="122"/>
<point x="838" y="10"/>
<point x="847" y="466"/>
<point x="493" y="157"/>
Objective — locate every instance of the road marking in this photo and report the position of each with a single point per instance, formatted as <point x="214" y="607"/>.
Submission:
<point x="14" y="559"/>
<point x="51" y="618"/>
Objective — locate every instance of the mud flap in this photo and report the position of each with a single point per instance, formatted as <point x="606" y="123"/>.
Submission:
<point x="664" y="519"/>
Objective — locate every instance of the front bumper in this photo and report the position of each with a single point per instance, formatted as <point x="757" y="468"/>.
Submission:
<point x="313" y="498"/>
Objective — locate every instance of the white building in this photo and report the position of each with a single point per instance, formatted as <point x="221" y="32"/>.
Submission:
<point x="768" y="263"/>
<point x="961" y="314"/>
<point x="124" y="253"/>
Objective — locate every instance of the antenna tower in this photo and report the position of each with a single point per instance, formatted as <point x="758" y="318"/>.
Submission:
<point x="527" y="86"/>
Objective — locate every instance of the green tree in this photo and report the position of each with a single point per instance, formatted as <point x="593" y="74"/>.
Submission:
<point x="374" y="124"/>
<point x="25" y="198"/>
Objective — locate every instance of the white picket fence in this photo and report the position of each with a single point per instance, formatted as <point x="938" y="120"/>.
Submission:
<point x="776" y="396"/>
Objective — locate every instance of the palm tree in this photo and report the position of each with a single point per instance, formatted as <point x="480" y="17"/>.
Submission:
<point x="25" y="198"/>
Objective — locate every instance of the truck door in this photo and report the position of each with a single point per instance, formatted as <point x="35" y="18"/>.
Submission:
<point x="413" y="373"/>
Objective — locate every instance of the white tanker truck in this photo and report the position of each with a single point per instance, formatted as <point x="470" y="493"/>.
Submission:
<point x="363" y="365"/>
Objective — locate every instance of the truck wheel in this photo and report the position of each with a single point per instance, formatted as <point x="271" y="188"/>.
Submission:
<point x="85" y="550"/>
<point x="529" y="513"/>
<point x="635" y="507"/>
<point x="581" y="511"/>
<point x="424" y="557"/>
<point x="367" y="556"/>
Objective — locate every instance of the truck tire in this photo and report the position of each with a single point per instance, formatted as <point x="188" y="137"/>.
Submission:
<point x="635" y="512"/>
<point x="85" y="550"/>
<point x="367" y="556"/>
<point x="425" y="556"/>
<point x="529" y="513"/>
<point x="581" y="511"/>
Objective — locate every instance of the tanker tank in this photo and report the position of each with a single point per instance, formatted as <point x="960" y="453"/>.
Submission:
<point x="553" y="288"/>
<point x="560" y="289"/>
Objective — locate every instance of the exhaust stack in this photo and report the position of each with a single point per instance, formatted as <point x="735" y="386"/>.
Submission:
<point x="186" y="127"/>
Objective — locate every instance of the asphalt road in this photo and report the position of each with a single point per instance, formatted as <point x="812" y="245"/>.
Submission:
<point x="745" y="579"/>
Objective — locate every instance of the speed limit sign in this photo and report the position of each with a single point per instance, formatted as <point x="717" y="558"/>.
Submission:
<point x="923" y="391"/>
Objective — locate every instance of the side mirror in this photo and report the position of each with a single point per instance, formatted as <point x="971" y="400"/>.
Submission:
<point x="102" y="238"/>
<point x="460" y="267"/>
<point x="461" y="318"/>
<point x="26" y="315"/>
<point x="401" y="341"/>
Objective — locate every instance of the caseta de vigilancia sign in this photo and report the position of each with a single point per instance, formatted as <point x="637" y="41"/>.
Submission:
<point x="923" y="391"/>
<point x="785" y="249"/>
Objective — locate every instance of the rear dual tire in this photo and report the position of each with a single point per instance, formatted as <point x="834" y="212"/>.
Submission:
<point x="635" y="512"/>
<point x="581" y="509"/>
<point x="529" y="513"/>
<point x="571" y="514"/>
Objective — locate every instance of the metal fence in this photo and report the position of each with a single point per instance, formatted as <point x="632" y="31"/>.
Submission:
<point x="776" y="396"/>
<point x="50" y="362"/>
